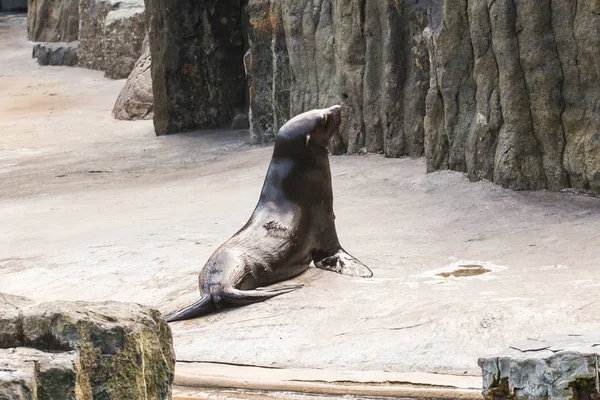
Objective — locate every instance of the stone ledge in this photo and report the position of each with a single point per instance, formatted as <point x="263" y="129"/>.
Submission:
<point x="56" y="53"/>
<point x="555" y="367"/>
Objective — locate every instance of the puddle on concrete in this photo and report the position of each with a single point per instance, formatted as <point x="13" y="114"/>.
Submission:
<point x="460" y="271"/>
<point x="464" y="271"/>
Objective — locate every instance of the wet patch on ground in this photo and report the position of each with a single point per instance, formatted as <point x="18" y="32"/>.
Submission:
<point x="466" y="271"/>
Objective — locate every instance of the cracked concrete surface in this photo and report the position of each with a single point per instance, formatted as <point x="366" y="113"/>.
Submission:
<point x="97" y="209"/>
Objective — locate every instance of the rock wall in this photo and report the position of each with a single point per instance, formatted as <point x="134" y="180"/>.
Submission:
<point x="504" y="90"/>
<point x="267" y="70"/>
<point x="52" y="20"/>
<point x="197" y="50"/>
<point x="111" y="34"/>
<point x="367" y="55"/>
<point x="515" y="91"/>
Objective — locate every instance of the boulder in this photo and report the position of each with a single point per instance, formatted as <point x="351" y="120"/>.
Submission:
<point x="97" y="350"/>
<point x="124" y="32"/>
<point x="240" y="122"/>
<point x="53" y="20"/>
<point x="135" y="100"/>
<point x="514" y="92"/>
<point x="197" y="52"/>
<point x="111" y="33"/>
<point x="56" y="53"/>
<point x="560" y="367"/>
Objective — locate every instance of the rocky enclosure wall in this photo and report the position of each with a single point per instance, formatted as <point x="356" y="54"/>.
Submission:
<point x="504" y="90"/>
<point x="110" y="32"/>
<point x="52" y="20"/>
<point x="515" y="91"/>
<point x="370" y="56"/>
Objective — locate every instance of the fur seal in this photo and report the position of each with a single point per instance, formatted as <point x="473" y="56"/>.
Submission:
<point x="292" y="225"/>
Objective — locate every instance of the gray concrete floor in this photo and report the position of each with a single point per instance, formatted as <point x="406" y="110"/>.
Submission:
<point x="96" y="209"/>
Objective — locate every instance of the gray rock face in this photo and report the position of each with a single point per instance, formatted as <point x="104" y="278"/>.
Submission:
<point x="53" y="20"/>
<point x="56" y="53"/>
<point x="267" y="69"/>
<point x="135" y="100"/>
<point x="514" y="92"/>
<point x="111" y="34"/>
<point x="509" y="89"/>
<point x="557" y="367"/>
<point x="197" y="52"/>
<point x="124" y="32"/>
<point x="369" y="56"/>
<point x="83" y="350"/>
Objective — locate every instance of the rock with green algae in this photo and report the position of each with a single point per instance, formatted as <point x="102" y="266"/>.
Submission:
<point x="114" y="350"/>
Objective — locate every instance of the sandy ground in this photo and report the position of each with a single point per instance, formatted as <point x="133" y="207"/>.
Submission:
<point x="96" y="209"/>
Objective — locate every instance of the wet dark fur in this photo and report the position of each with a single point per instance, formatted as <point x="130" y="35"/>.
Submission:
<point x="292" y="224"/>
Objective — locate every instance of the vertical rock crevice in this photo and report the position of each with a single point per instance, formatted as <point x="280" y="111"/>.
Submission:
<point x="369" y="56"/>
<point x="535" y="102"/>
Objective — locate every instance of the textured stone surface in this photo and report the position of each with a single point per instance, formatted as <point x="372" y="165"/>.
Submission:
<point x="267" y="69"/>
<point x="197" y="63"/>
<point x="17" y="378"/>
<point x="555" y="367"/>
<point x="514" y="92"/>
<point x="369" y="56"/>
<point x="56" y="53"/>
<point x="53" y="20"/>
<point x="111" y="33"/>
<point x="510" y="89"/>
<point x="11" y="319"/>
<point x="102" y="350"/>
<point x="135" y="100"/>
<point x="33" y="374"/>
<point x="124" y="32"/>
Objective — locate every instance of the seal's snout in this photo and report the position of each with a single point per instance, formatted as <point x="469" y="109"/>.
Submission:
<point x="336" y="111"/>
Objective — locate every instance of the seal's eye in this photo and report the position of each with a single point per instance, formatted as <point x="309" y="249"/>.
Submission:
<point x="323" y="120"/>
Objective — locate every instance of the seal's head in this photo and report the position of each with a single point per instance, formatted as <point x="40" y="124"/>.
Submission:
<point x="311" y="130"/>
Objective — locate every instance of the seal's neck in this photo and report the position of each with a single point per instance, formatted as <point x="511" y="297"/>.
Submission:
<point x="305" y="181"/>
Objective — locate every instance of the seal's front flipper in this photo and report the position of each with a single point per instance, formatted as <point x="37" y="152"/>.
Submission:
<point x="243" y="297"/>
<point x="201" y="307"/>
<point x="343" y="263"/>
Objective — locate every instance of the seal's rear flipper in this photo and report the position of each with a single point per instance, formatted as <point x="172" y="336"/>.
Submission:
<point x="343" y="263"/>
<point x="243" y="297"/>
<point x="201" y="307"/>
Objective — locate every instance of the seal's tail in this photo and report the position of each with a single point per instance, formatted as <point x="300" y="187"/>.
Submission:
<point x="201" y="307"/>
